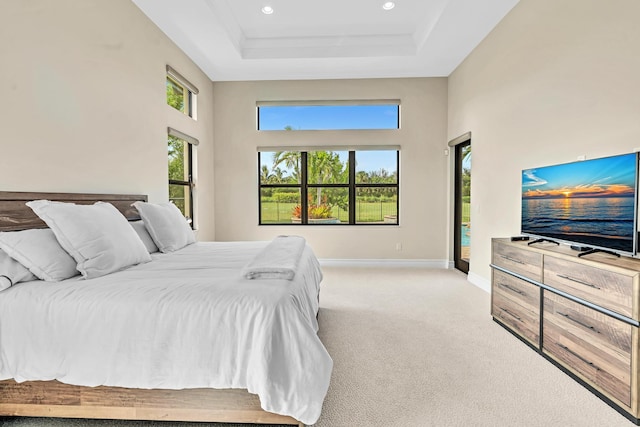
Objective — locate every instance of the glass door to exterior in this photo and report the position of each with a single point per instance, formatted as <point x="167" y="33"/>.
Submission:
<point x="462" y="211"/>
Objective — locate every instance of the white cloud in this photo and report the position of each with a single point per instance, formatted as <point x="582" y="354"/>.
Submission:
<point x="531" y="179"/>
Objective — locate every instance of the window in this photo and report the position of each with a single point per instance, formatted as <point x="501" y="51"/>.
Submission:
<point x="181" y="94"/>
<point x="329" y="187"/>
<point x="329" y="115"/>
<point x="377" y="186"/>
<point x="180" y="156"/>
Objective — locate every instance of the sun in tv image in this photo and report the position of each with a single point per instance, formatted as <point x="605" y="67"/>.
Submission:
<point x="590" y="202"/>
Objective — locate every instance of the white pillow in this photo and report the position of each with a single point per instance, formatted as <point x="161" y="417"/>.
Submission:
<point x="39" y="251"/>
<point x="12" y="272"/>
<point x="168" y="228"/>
<point x="97" y="236"/>
<point x="144" y="235"/>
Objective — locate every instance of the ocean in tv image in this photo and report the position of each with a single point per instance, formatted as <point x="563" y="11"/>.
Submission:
<point x="590" y="202"/>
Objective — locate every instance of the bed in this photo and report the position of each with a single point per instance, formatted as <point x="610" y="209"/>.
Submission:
<point x="220" y="382"/>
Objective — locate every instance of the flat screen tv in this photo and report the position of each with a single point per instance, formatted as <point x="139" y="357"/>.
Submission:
<point x="589" y="203"/>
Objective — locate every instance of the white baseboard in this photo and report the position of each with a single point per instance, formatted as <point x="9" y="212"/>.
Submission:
<point x="417" y="263"/>
<point x="480" y="282"/>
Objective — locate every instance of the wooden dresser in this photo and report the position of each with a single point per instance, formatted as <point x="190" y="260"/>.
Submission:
<point x="579" y="313"/>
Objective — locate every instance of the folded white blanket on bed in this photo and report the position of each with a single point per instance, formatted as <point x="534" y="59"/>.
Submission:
<point x="278" y="260"/>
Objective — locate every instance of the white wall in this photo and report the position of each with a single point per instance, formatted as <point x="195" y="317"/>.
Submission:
<point x="84" y="107"/>
<point x="423" y="166"/>
<point x="553" y="81"/>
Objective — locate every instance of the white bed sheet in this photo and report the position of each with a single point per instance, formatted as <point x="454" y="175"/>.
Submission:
<point x="187" y="319"/>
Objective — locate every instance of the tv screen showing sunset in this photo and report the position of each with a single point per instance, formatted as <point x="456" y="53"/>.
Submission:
<point x="591" y="202"/>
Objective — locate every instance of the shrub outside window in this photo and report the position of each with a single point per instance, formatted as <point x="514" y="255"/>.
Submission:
<point x="329" y="187"/>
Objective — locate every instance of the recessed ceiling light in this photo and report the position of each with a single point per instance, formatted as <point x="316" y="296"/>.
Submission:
<point x="388" y="5"/>
<point x="267" y="10"/>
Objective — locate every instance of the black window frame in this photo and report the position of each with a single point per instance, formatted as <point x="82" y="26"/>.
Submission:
<point x="352" y="186"/>
<point x="189" y="183"/>
<point x="388" y="103"/>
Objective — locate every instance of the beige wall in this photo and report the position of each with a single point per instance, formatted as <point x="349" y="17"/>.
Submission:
<point x="83" y="101"/>
<point x="554" y="80"/>
<point x="423" y="166"/>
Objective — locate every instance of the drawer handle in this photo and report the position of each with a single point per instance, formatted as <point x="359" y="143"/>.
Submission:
<point x="562" y="276"/>
<point x="584" y="325"/>
<point x="508" y="258"/>
<point x="568" y="350"/>
<point x="511" y="314"/>
<point x="512" y="289"/>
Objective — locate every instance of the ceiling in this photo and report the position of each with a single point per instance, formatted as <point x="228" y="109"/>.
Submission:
<point x="328" y="39"/>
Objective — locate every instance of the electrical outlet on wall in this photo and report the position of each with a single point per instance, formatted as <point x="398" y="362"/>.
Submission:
<point x="398" y="246"/>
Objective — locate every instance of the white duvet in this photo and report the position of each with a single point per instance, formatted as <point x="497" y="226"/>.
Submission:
<point x="187" y="319"/>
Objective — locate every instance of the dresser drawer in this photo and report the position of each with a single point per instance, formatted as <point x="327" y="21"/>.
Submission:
<point x="516" y="304"/>
<point x="608" y="289"/>
<point x="519" y="260"/>
<point x="592" y="344"/>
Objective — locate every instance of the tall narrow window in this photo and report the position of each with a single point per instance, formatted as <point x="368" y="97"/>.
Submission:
<point x="377" y="187"/>
<point x="280" y="187"/>
<point x="328" y="187"/>
<point x="181" y="182"/>
<point x="462" y="202"/>
<point x="181" y="94"/>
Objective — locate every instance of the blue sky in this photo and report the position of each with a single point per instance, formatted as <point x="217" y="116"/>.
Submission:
<point x="323" y="117"/>
<point x="604" y="177"/>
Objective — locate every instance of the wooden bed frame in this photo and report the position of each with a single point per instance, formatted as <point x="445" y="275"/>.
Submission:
<point x="55" y="399"/>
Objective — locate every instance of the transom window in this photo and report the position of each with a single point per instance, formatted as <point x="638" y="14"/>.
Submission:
<point x="326" y="186"/>
<point x="328" y="115"/>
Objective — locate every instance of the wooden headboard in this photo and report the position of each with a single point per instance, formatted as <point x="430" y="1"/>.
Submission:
<point x="15" y="215"/>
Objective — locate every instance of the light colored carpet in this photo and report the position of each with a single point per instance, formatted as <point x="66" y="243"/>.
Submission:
<point x="417" y="347"/>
